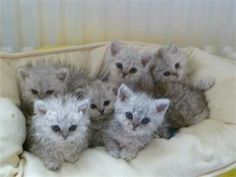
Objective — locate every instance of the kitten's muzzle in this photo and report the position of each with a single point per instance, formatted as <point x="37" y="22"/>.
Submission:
<point x="65" y="135"/>
<point x="101" y="111"/>
<point x="124" y="74"/>
<point x="135" y="125"/>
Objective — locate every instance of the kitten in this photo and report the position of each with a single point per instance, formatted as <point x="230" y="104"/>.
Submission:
<point x="102" y="97"/>
<point x="136" y="118"/>
<point x="59" y="130"/>
<point x="170" y="64"/>
<point x="40" y="80"/>
<point x="188" y="103"/>
<point x="127" y="66"/>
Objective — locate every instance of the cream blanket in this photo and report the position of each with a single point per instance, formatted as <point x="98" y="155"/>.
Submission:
<point x="209" y="146"/>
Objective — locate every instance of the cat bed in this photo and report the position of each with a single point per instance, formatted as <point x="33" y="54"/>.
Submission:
<point x="207" y="148"/>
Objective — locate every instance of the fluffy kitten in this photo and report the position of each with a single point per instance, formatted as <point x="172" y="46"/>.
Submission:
<point x="136" y="118"/>
<point x="40" y="80"/>
<point x="170" y="64"/>
<point x="102" y="99"/>
<point x="188" y="103"/>
<point x="59" y="130"/>
<point x="127" y="66"/>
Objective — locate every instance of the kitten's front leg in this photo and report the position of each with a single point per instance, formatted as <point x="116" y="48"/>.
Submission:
<point x="129" y="152"/>
<point x="112" y="148"/>
<point x="52" y="161"/>
<point x="204" y="84"/>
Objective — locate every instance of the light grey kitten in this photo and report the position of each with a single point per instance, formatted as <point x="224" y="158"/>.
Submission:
<point x="39" y="80"/>
<point x="59" y="130"/>
<point x="102" y="97"/>
<point x="188" y="103"/>
<point x="127" y="66"/>
<point x="136" y="118"/>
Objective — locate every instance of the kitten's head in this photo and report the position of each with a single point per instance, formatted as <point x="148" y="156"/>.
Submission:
<point x="138" y="113"/>
<point x="169" y="64"/>
<point x="127" y="63"/>
<point x="102" y="98"/>
<point x="39" y="82"/>
<point x="63" y="118"/>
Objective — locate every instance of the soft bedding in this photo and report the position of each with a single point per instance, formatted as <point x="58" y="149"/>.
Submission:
<point x="206" y="148"/>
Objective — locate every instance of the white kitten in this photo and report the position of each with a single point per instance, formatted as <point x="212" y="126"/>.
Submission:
<point x="59" y="130"/>
<point x="136" y="118"/>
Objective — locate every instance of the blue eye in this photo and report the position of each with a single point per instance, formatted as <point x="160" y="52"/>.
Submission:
<point x="145" y="120"/>
<point x="73" y="127"/>
<point x="56" y="128"/>
<point x="129" y="115"/>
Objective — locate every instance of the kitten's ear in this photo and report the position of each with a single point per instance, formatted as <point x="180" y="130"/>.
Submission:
<point x="83" y="105"/>
<point x="173" y="48"/>
<point x="23" y="72"/>
<point x="146" y="58"/>
<point x="62" y="74"/>
<point x="115" y="47"/>
<point x="162" y="105"/>
<point x="124" y="93"/>
<point x="40" y="107"/>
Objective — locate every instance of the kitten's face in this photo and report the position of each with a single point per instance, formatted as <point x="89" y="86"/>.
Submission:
<point x="41" y="82"/>
<point x="64" y="120"/>
<point x="127" y="64"/>
<point x="102" y="98"/>
<point x="169" y="65"/>
<point x="138" y="113"/>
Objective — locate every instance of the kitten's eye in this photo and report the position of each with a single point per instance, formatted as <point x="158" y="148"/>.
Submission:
<point x="73" y="127"/>
<point x="145" y="120"/>
<point x="56" y="128"/>
<point x="177" y="65"/>
<point x="106" y="103"/>
<point x="119" y="65"/>
<point x="93" y="106"/>
<point x="129" y="115"/>
<point x="49" y="92"/>
<point x="35" y="92"/>
<point x="133" y="70"/>
<point x="167" y="73"/>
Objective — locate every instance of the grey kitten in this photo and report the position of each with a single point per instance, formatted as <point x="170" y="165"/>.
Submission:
<point x="136" y="118"/>
<point x="127" y="66"/>
<point x="101" y="109"/>
<point x="59" y="130"/>
<point x="170" y="64"/>
<point x="188" y="103"/>
<point x="39" y="80"/>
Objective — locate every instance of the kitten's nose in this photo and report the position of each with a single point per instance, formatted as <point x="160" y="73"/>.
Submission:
<point x="65" y="135"/>
<point x="102" y="111"/>
<point x="175" y="74"/>
<point x="124" y="74"/>
<point x="135" y="125"/>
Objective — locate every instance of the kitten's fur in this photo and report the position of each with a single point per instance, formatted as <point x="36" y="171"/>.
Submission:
<point x="127" y="66"/>
<point x="41" y="79"/>
<point x="53" y="147"/>
<point x="102" y="98"/>
<point x="188" y="102"/>
<point x="126" y="137"/>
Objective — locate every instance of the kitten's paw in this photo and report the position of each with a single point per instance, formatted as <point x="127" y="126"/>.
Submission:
<point x="52" y="165"/>
<point x="72" y="158"/>
<point x="114" y="153"/>
<point x="127" y="154"/>
<point x="205" y="84"/>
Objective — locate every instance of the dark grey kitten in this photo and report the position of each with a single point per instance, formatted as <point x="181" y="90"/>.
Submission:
<point x="102" y="98"/>
<point x="136" y="118"/>
<point x="39" y="80"/>
<point x="188" y="102"/>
